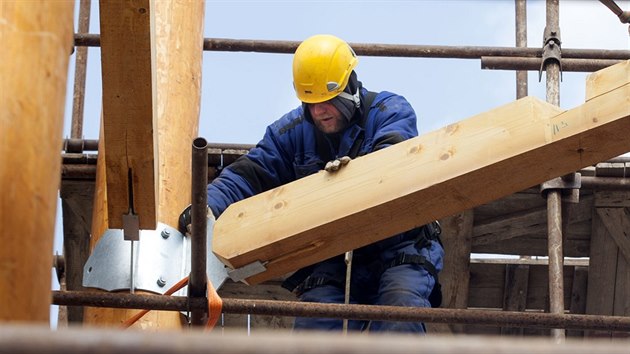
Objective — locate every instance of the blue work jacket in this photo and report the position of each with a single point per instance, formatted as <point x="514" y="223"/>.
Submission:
<point x="293" y="147"/>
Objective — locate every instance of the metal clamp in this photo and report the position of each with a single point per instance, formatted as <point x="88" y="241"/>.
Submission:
<point x="551" y="50"/>
<point x="569" y="186"/>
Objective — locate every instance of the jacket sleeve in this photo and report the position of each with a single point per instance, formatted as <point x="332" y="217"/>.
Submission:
<point x="264" y="167"/>
<point x="391" y="120"/>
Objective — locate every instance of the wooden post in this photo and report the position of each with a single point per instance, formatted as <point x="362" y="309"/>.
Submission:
<point x="177" y="39"/>
<point x="457" y="231"/>
<point x="36" y="42"/>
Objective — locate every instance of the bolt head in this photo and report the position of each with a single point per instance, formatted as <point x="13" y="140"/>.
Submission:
<point x="161" y="282"/>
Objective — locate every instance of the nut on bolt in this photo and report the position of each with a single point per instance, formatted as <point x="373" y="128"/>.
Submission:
<point x="161" y="282"/>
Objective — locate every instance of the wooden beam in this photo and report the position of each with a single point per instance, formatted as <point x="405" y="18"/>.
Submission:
<point x="36" y="43"/>
<point x="607" y="79"/>
<point x="487" y="285"/>
<point x="177" y="39"/>
<point x="458" y="167"/>
<point x="526" y="222"/>
<point x="129" y="129"/>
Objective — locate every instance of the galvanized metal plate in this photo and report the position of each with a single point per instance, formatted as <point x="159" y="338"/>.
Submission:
<point x="161" y="259"/>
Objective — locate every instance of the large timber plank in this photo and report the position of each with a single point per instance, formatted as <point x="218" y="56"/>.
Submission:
<point x="458" y="167"/>
<point x="128" y="123"/>
<point x="607" y="79"/>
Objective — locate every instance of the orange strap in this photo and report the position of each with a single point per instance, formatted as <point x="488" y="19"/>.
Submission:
<point x="215" y="305"/>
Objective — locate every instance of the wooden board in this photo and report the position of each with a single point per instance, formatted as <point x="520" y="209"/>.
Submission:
<point x="608" y="79"/>
<point x="129" y="129"/>
<point x="463" y="165"/>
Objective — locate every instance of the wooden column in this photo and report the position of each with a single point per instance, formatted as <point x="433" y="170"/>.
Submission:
<point x="36" y="42"/>
<point x="515" y="293"/>
<point x="609" y="275"/>
<point x="176" y="43"/>
<point x="457" y="231"/>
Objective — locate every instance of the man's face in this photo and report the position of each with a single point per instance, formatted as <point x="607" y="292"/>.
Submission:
<point x="327" y="117"/>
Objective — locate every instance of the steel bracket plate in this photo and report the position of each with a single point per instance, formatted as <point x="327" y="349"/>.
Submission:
<point x="161" y="259"/>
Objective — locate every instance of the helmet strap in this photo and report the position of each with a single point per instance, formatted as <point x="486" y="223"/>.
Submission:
<point x="356" y="98"/>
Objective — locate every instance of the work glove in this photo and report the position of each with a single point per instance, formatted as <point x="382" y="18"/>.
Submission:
<point x="336" y="164"/>
<point x="185" y="220"/>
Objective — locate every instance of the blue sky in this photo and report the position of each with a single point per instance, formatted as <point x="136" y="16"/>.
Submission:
<point x="243" y="92"/>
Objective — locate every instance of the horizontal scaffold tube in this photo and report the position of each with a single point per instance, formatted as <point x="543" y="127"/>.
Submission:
<point x="359" y="312"/>
<point x="386" y="50"/>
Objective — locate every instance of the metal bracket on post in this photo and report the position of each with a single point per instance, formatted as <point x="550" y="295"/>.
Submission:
<point x="551" y="50"/>
<point x="569" y="186"/>
<point x="160" y="258"/>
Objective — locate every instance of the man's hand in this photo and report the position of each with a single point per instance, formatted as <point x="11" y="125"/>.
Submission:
<point x="334" y="165"/>
<point x="185" y="220"/>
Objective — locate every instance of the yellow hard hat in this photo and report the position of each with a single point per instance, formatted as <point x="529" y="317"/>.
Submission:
<point x="321" y="67"/>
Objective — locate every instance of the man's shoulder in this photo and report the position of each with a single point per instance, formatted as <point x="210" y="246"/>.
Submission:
<point x="386" y="100"/>
<point x="383" y="96"/>
<point x="288" y="122"/>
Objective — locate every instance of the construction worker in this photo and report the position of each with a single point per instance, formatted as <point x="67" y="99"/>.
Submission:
<point x="337" y="121"/>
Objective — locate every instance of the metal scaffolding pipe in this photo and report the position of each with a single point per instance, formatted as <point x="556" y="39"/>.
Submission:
<point x="551" y="43"/>
<point x="605" y="183"/>
<point x="359" y="312"/>
<point x="227" y="146"/>
<point x="533" y="64"/>
<point x="78" y="145"/>
<point x="78" y="98"/>
<point x="520" y="19"/>
<point x="198" y="280"/>
<point x="624" y="16"/>
<point x="385" y="50"/>
<point x="39" y="339"/>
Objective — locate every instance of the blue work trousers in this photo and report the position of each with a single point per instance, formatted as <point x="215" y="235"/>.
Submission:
<point x="406" y="285"/>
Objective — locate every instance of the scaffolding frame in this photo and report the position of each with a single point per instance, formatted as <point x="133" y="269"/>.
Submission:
<point x="520" y="58"/>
